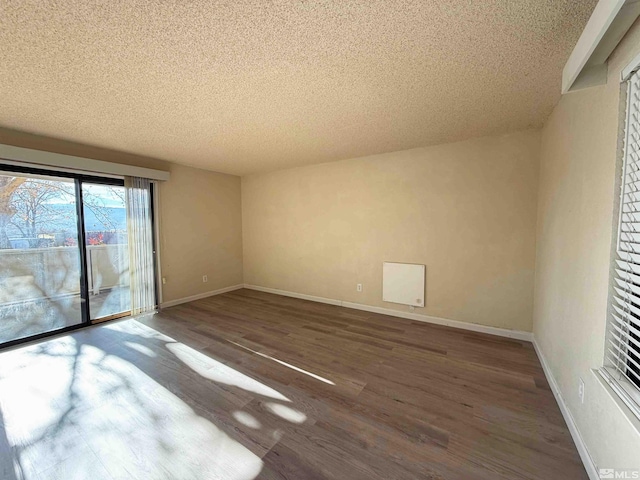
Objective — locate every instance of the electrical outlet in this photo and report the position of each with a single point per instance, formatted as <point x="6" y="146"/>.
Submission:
<point x="359" y="287"/>
<point x="581" y="391"/>
<point x="205" y="279"/>
<point x="164" y="280"/>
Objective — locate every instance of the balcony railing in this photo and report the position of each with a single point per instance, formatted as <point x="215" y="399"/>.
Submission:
<point x="38" y="273"/>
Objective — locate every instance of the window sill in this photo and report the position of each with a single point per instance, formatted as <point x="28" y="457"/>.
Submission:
<point x="623" y="393"/>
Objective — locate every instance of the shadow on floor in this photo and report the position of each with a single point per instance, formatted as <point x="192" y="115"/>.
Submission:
<point x="124" y="399"/>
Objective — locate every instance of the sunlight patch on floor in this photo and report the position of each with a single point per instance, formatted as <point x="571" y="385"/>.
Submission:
<point x="219" y="372"/>
<point x="247" y="419"/>
<point x="71" y="410"/>
<point x="285" y="412"/>
<point x="288" y="365"/>
<point x="141" y="348"/>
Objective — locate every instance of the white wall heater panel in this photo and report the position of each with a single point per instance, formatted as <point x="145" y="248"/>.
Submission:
<point x="403" y="283"/>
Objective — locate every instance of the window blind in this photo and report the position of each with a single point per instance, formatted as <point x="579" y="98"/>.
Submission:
<point x="623" y="335"/>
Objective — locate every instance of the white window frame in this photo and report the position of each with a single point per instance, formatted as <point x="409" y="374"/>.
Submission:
<point x="625" y="390"/>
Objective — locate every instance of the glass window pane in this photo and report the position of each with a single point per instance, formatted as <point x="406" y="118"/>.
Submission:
<point x="39" y="255"/>
<point x="107" y="250"/>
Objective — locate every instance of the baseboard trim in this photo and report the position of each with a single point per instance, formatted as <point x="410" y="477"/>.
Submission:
<point x="302" y="296"/>
<point x="199" y="296"/>
<point x="587" y="461"/>
<point x="502" y="332"/>
<point x="474" y="327"/>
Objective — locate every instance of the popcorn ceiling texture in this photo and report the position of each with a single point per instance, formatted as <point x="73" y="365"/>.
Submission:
<point x="250" y="86"/>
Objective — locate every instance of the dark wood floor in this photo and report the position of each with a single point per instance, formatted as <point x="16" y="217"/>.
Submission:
<point x="251" y="385"/>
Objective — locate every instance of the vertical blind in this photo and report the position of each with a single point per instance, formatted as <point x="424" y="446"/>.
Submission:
<point x="140" y="231"/>
<point x="623" y="336"/>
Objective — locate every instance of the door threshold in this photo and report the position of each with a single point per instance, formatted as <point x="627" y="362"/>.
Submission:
<point x="111" y="317"/>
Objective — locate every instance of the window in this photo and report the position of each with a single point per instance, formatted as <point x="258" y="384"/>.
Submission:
<point x="622" y="365"/>
<point x="74" y="250"/>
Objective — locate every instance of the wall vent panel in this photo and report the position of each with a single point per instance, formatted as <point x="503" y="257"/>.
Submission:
<point x="403" y="283"/>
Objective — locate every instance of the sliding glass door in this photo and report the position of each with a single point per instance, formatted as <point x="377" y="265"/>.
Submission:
<point x="64" y="252"/>
<point x="107" y="245"/>
<point x="40" y="267"/>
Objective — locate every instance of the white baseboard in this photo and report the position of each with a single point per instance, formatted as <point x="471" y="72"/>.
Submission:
<point x="285" y="293"/>
<point x="192" y="298"/>
<point x="474" y="327"/>
<point x="589" y="465"/>
<point x="502" y="332"/>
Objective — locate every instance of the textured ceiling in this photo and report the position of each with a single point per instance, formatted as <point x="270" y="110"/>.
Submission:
<point x="247" y="86"/>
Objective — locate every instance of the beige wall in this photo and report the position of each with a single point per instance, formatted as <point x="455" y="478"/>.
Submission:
<point x="200" y="232"/>
<point x="466" y="210"/>
<point x="575" y="218"/>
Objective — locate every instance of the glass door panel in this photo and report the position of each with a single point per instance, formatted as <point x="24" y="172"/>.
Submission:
<point x="105" y="224"/>
<point x="39" y="255"/>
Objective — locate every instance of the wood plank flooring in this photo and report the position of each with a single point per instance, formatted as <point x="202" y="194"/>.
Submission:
<point x="249" y="385"/>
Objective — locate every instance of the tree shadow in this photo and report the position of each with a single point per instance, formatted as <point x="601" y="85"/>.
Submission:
<point x="40" y="305"/>
<point x="136" y="367"/>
